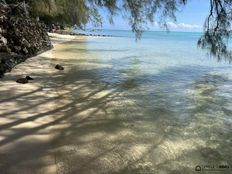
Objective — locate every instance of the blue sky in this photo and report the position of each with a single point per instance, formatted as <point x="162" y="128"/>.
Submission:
<point x="189" y="18"/>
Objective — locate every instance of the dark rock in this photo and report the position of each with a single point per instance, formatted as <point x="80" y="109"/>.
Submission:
<point x="3" y="40"/>
<point x="59" y="67"/>
<point x="25" y="50"/>
<point x="29" y="78"/>
<point x="21" y="37"/>
<point x="22" y="80"/>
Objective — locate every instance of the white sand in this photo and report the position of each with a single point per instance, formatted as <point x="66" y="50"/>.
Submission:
<point x="27" y="115"/>
<point x="58" y="38"/>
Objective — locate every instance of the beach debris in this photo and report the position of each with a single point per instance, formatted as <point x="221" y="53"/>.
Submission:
<point x="59" y="67"/>
<point x="29" y="78"/>
<point x="22" y="80"/>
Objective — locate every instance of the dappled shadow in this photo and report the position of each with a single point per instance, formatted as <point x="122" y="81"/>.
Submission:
<point x="134" y="131"/>
<point x="105" y="120"/>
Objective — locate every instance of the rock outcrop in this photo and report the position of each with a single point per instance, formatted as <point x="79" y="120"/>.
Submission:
<point x="21" y="37"/>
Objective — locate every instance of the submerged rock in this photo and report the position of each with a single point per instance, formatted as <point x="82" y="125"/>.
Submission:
<point x="59" y="67"/>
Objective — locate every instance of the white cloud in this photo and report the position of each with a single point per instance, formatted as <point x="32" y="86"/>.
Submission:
<point x="179" y="26"/>
<point x="183" y="26"/>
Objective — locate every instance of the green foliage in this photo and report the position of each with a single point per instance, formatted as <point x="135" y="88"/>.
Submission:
<point x="42" y="7"/>
<point x="218" y="29"/>
<point x="79" y="12"/>
<point x="65" y="11"/>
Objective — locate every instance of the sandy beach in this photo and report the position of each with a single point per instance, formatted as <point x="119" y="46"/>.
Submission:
<point x="116" y="108"/>
<point x="27" y="114"/>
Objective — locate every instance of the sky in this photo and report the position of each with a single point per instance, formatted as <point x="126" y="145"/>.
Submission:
<point x="190" y="18"/>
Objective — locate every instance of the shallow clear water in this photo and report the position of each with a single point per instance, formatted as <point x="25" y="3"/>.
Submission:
<point x="160" y="105"/>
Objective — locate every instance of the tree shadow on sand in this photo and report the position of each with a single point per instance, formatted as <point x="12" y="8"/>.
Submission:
<point x="79" y="122"/>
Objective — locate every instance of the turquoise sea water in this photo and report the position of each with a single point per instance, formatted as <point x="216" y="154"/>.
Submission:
<point x="157" y="56"/>
<point x="163" y="105"/>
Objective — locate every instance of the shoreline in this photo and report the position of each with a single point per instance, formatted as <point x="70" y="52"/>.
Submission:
<point x="55" y="39"/>
<point x="72" y="33"/>
<point x="12" y="60"/>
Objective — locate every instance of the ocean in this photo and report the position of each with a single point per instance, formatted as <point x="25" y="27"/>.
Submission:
<point x="156" y="105"/>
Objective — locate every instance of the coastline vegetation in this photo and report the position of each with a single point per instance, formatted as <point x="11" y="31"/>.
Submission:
<point x="138" y="13"/>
